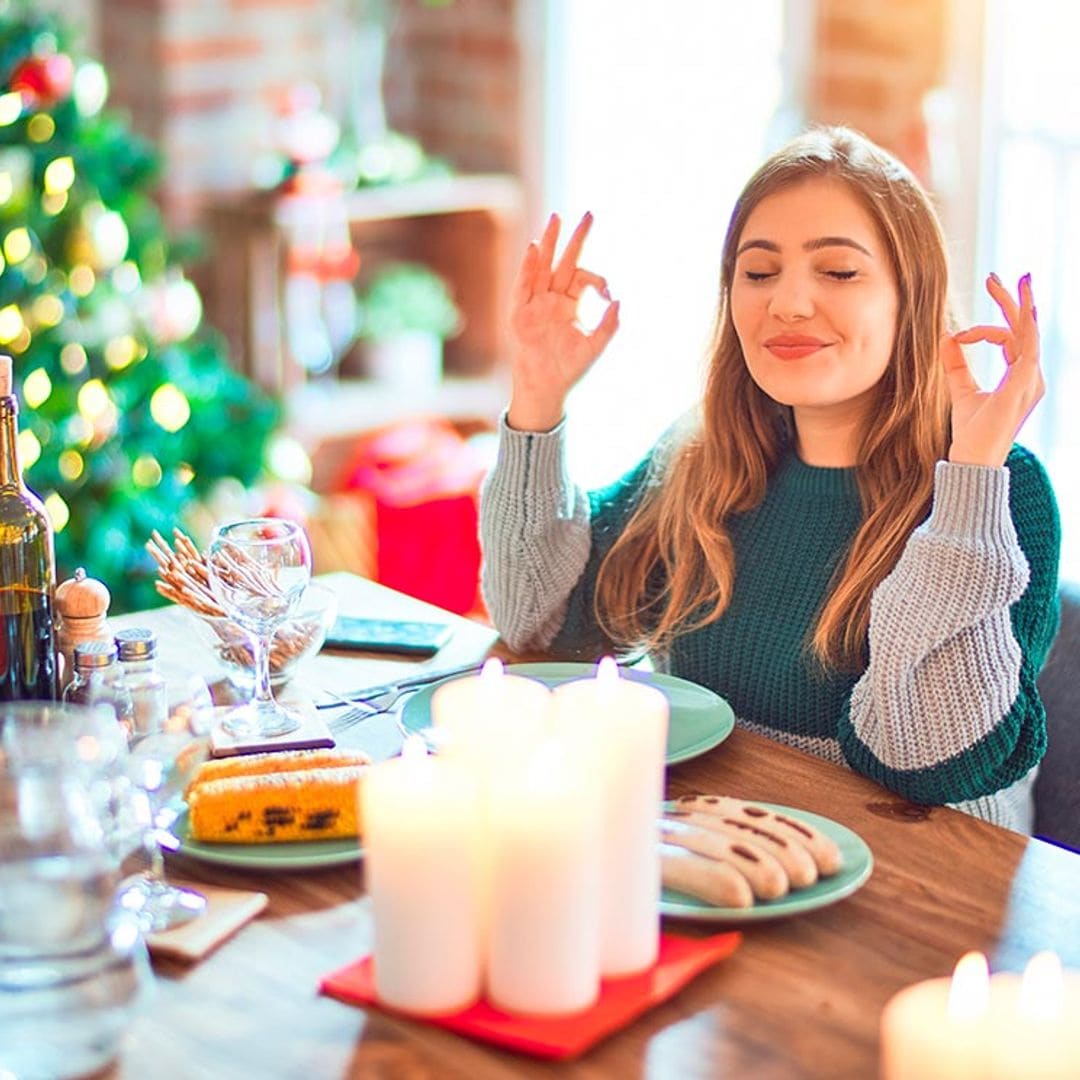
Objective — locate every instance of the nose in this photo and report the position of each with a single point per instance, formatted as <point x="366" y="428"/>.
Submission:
<point x="792" y="298"/>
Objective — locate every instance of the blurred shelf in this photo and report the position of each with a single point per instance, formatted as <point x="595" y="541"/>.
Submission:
<point x="466" y="228"/>
<point x="327" y="416"/>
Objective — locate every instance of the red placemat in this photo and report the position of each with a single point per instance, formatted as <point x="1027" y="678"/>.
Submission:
<point x="621" y="1000"/>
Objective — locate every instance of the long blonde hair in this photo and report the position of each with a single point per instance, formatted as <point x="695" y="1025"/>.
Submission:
<point x="672" y="569"/>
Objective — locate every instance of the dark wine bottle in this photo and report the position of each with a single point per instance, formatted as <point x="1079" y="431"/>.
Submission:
<point x="27" y="571"/>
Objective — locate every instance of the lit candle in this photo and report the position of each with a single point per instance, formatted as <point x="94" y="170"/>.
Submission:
<point x="543" y="948"/>
<point x="621" y="727"/>
<point x="422" y="870"/>
<point x="489" y="717"/>
<point x="978" y="1027"/>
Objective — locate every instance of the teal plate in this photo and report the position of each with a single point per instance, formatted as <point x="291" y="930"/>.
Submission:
<point x="297" y="855"/>
<point x="699" y="719"/>
<point x="857" y="866"/>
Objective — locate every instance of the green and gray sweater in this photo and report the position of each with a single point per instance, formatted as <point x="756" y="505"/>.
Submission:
<point x="947" y="710"/>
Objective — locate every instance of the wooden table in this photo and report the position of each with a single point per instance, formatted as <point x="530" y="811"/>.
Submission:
<point x="800" y="998"/>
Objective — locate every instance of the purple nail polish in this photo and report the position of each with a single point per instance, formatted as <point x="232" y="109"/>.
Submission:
<point x="994" y="278"/>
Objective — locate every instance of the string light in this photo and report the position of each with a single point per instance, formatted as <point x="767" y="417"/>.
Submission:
<point x="47" y="310"/>
<point x="146" y="471"/>
<point x="59" y="175"/>
<point x="40" y="128"/>
<point x="73" y="358"/>
<point x="82" y="280"/>
<point x="17" y="245"/>
<point x="11" y="323"/>
<point x="94" y="400"/>
<point x="29" y="448"/>
<point x="10" y="108"/>
<point x="58" y="511"/>
<point x="169" y="407"/>
<point x="37" y="386"/>
<point x="71" y="465"/>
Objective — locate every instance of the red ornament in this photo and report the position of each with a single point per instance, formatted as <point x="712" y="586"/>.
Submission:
<point x="44" y="80"/>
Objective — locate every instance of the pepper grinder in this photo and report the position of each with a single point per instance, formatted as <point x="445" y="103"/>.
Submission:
<point x="81" y="606"/>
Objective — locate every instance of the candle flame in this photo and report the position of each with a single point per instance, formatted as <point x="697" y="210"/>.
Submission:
<point x="492" y="669"/>
<point x="607" y="672"/>
<point x="969" y="992"/>
<point x="413" y="748"/>
<point x="1042" y="987"/>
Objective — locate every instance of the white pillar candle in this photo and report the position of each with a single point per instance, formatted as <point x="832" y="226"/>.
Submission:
<point x="977" y="1027"/>
<point x="422" y="869"/>
<point x="622" y="729"/>
<point x="544" y="886"/>
<point x="489" y="717"/>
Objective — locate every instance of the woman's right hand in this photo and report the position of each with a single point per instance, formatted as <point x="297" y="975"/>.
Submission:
<point x="551" y="350"/>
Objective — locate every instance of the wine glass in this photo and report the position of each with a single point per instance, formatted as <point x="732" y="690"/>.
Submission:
<point x="259" y="569"/>
<point x="160" y="764"/>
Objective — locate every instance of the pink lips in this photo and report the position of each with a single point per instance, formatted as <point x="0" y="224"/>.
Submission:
<point x="794" y="346"/>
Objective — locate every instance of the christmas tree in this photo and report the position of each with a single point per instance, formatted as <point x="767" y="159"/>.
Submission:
<point x="131" y="413"/>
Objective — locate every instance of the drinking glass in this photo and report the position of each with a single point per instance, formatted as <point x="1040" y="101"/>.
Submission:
<point x="160" y="764"/>
<point x="259" y="569"/>
<point x="73" y="968"/>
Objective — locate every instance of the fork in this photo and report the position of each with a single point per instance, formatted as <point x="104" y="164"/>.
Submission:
<point x="365" y="710"/>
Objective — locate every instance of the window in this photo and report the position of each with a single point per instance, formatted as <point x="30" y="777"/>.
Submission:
<point x="1029" y="216"/>
<point x="656" y="114"/>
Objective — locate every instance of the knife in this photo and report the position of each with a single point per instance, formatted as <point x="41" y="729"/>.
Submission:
<point x="412" y="682"/>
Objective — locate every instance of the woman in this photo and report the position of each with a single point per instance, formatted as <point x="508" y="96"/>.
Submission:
<point x="843" y="541"/>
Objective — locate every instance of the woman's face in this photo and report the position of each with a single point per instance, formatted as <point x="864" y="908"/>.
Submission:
<point x="814" y="300"/>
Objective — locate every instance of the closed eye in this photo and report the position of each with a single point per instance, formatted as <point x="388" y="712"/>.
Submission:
<point x="841" y="275"/>
<point x="751" y="275"/>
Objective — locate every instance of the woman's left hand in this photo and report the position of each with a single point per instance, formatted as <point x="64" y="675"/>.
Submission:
<point x="985" y="422"/>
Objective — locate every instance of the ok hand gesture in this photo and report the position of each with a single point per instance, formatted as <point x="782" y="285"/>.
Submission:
<point x="551" y="350"/>
<point x="985" y="422"/>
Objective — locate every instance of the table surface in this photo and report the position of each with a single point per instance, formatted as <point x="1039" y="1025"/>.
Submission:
<point x="801" y="997"/>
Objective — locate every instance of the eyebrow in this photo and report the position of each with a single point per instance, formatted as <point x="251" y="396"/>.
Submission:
<point x="810" y="245"/>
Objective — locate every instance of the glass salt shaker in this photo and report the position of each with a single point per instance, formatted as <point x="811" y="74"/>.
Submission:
<point x="149" y="699"/>
<point x="99" y="680"/>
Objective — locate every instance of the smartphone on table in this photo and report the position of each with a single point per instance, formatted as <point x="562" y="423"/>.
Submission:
<point x="403" y="636"/>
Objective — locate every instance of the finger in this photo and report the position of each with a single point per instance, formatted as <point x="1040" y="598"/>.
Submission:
<point x="1028" y="334"/>
<point x="522" y="289"/>
<point x="996" y="335"/>
<point x="564" y="272"/>
<point x="581" y="280"/>
<point x="957" y="373"/>
<point x="545" y="253"/>
<point x="605" y="328"/>
<point x="1002" y="297"/>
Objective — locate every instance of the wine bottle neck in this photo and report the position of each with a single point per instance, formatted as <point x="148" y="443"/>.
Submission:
<point x="10" y="476"/>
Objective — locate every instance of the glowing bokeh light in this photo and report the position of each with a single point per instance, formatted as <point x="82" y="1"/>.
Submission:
<point x="146" y="471"/>
<point x="58" y="511"/>
<point x="37" y="386"/>
<point x="29" y="448"/>
<point x="94" y="400"/>
<point x="73" y="358"/>
<point x="11" y="323"/>
<point x="59" y="175"/>
<point x="71" y="465"/>
<point x="17" y="245"/>
<point x="169" y="407"/>
<point x="11" y="107"/>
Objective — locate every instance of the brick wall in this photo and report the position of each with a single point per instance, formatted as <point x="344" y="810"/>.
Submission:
<point x="453" y="81"/>
<point x="203" y="79"/>
<point x="873" y="64"/>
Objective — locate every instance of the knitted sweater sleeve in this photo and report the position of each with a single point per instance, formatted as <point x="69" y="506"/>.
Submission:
<point x="543" y="540"/>
<point x="947" y="709"/>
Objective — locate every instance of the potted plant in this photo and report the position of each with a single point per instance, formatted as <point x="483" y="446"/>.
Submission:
<point x="405" y="315"/>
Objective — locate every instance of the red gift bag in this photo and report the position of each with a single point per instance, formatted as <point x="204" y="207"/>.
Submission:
<point x="425" y="482"/>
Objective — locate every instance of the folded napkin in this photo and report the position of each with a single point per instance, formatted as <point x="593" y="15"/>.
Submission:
<point x="226" y="911"/>
<point x="621" y="1000"/>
